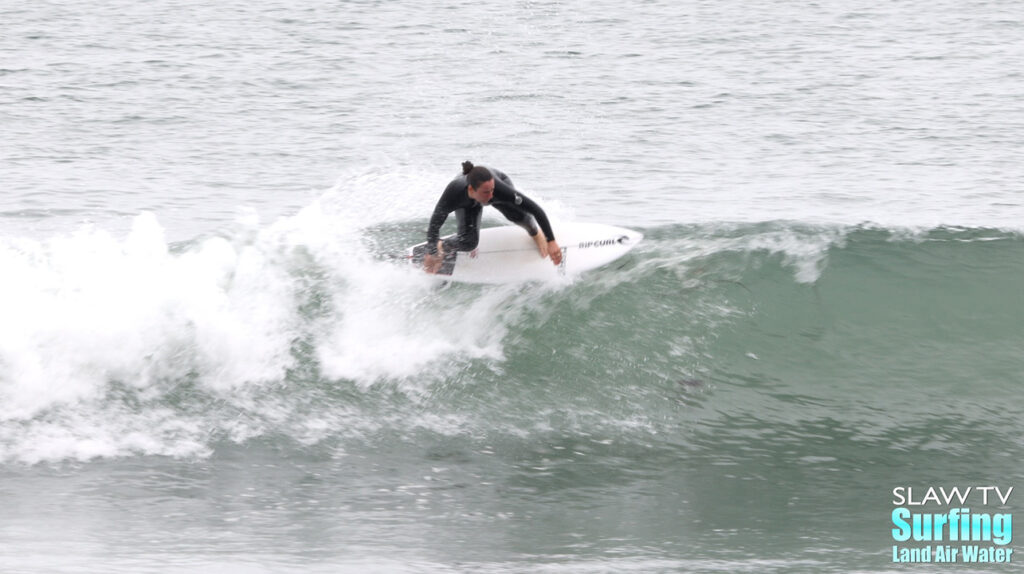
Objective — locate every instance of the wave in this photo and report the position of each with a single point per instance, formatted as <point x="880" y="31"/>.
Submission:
<point x="306" y="331"/>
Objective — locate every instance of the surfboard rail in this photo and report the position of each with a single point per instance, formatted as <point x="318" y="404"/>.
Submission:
<point x="506" y="254"/>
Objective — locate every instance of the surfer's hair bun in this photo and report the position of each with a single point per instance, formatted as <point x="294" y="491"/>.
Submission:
<point x="467" y="166"/>
<point x="477" y="176"/>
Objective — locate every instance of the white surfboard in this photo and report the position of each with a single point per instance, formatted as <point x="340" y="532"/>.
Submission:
<point x="508" y="255"/>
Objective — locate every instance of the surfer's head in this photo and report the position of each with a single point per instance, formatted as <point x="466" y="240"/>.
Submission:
<point x="481" y="182"/>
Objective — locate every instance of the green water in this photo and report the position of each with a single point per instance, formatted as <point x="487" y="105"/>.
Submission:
<point x="726" y="398"/>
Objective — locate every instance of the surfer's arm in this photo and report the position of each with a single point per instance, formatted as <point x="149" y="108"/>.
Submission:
<point x="531" y="207"/>
<point x="433" y="257"/>
<point x="518" y="208"/>
<point x="447" y="203"/>
<point x="527" y="214"/>
<point x="437" y="219"/>
<point x="547" y="248"/>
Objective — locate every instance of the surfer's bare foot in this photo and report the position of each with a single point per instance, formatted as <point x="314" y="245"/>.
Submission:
<point x="432" y="263"/>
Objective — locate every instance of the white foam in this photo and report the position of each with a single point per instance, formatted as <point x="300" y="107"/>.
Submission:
<point x="89" y="310"/>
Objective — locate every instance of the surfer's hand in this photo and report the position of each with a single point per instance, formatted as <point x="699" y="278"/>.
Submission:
<point x="554" y="251"/>
<point x="538" y="238"/>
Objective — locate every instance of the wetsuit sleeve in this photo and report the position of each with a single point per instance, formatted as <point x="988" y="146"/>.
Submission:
<point x="434" y="229"/>
<point x="445" y="205"/>
<point x="510" y="197"/>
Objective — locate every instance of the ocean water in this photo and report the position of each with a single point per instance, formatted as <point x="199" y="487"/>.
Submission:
<point x="209" y="360"/>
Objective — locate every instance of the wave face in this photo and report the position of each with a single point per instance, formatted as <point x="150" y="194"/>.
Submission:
<point x="304" y="331"/>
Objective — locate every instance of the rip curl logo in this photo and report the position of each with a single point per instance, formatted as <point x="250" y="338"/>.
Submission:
<point x="519" y="199"/>
<point x="604" y="242"/>
<point x="987" y="534"/>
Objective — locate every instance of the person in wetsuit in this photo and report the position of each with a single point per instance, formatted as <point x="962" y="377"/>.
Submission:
<point x="467" y="195"/>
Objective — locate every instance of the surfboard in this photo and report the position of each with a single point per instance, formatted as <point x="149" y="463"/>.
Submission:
<point x="507" y="254"/>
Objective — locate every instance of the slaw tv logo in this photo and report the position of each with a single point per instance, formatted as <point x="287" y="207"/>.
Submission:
<point x="938" y="525"/>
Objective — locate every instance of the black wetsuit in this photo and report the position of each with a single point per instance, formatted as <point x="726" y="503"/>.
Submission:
<point x="515" y="206"/>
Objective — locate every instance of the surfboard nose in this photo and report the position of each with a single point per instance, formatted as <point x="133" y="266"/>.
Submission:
<point x="628" y="237"/>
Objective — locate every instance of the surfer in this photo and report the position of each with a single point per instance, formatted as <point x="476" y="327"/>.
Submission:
<point x="467" y="195"/>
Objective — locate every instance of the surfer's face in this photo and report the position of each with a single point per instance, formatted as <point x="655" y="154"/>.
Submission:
<point x="485" y="193"/>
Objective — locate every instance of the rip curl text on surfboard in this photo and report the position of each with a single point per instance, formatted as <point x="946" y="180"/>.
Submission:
<point x="603" y="242"/>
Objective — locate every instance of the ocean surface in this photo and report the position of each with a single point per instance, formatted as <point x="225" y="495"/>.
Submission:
<point x="211" y="362"/>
